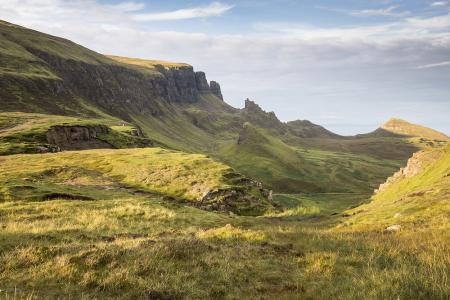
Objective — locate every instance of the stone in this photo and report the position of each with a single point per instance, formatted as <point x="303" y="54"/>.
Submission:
<point x="202" y="83"/>
<point x="393" y="228"/>
<point x="215" y="89"/>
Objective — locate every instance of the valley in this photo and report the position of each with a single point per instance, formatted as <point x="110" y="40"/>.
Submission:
<point x="125" y="178"/>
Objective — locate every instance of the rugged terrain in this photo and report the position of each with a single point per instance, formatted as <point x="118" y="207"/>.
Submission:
<point x="174" y="106"/>
<point x="131" y="178"/>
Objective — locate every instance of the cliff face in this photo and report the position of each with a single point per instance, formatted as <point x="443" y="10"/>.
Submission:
<point x="114" y="86"/>
<point x="215" y="89"/>
<point x="42" y="73"/>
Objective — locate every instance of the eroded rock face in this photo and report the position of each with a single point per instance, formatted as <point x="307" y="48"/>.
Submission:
<point x="77" y="137"/>
<point x="202" y="83"/>
<point x="415" y="165"/>
<point x="115" y="88"/>
<point x="215" y="89"/>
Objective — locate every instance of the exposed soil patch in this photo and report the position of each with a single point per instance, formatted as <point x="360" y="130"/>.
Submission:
<point x="54" y="196"/>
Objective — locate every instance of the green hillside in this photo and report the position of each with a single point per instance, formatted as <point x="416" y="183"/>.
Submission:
<point x="104" y="174"/>
<point x="292" y="169"/>
<point x="416" y="196"/>
<point x="401" y="128"/>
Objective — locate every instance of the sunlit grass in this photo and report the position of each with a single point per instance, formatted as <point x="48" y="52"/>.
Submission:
<point x="133" y="248"/>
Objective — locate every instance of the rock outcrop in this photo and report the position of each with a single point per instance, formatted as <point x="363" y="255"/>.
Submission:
<point x="254" y="114"/>
<point x="415" y="165"/>
<point x="215" y="89"/>
<point x="239" y="199"/>
<point x="77" y="137"/>
<point x="202" y="83"/>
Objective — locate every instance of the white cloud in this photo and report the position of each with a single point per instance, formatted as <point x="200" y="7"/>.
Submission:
<point x="437" y="22"/>
<point x="435" y="65"/>
<point x="440" y="3"/>
<point x="389" y="11"/>
<point x="212" y="10"/>
<point x="129" y="6"/>
<point x="386" y="12"/>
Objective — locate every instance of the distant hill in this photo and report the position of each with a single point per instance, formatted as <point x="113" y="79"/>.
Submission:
<point x="399" y="128"/>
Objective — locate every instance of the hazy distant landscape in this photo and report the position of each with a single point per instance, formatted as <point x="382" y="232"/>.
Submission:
<point x="136" y="178"/>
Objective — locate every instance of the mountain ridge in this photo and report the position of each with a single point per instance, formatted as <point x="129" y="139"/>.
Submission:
<point x="174" y="106"/>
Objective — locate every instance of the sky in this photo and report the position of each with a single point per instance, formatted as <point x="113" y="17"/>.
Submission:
<point x="348" y="65"/>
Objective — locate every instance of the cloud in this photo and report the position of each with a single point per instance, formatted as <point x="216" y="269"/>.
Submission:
<point x="440" y="3"/>
<point x="129" y="6"/>
<point x="436" y="22"/>
<point x="435" y="65"/>
<point x="212" y="10"/>
<point x="389" y="11"/>
<point x="386" y="12"/>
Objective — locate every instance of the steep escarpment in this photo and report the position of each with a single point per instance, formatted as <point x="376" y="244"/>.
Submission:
<point x="50" y="74"/>
<point x="416" y="164"/>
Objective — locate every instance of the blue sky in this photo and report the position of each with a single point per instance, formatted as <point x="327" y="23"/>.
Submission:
<point x="349" y="65"/>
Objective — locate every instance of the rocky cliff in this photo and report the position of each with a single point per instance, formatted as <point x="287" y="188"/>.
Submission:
<point x="50" y="74"/>
<point x="215" y="89"/>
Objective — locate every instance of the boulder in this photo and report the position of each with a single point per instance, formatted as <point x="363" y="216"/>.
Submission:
<point x="393" y="228"/>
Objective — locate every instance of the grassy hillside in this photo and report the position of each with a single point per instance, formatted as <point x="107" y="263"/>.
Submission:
<point x="97" y="174"/>
<point x="401" y="128"/>
<point x="146" y="64"/>
<point x="291" y="169"/>
<point x="417" y="196"/>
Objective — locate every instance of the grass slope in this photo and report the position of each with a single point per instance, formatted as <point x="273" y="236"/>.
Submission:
<point x="16" y="60"/>
<point x="292" y="169"/>
<point x="100" y="173"/>
<point x="418" y="199"/>
<point x="402" y="127"/>
<point x="142" y="247"/>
